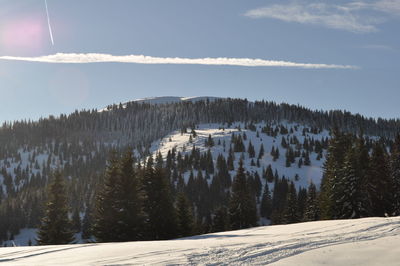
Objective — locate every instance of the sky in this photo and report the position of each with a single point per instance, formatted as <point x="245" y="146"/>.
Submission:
<point x="319" y="54"/>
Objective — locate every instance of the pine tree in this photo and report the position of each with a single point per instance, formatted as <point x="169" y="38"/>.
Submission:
<point x="230" y="160"/>
<point x="87" y="225"/>
<point x="395" y="175"/>
<point x="279" y="200"/>
<point x="209" y="142"/>
<point x="312" y="207"/>
<point x="266" y="203"/>
<point x="291" y="214"/>
<point x="269" y="174"/>
<point x="242" y="206"/>
<point x="300" y="163"/>
<point x="76" y="221"/>
<point x="331" y="190"/>
<point x="106" y="215"/>
<point x="261" y="152"/>
<point x="378" y="183"/>
<point x="56" y="227"/>
<point x="129" y="201"/>
<point x="351" y="202"/>
<point x="307" y="161"/>
<point x="250" y="150"/>
<point x="301" y="203"/>
<point x="185" y="216"/>
<point x="162" y="220"/>
<point x="221" y="220"/>
<point x="276" y="154"/>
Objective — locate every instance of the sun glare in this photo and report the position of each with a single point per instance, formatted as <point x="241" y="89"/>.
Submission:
<point x="25" y="35"/>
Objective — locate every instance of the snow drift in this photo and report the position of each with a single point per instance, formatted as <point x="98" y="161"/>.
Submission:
<point x="369" y="241"/>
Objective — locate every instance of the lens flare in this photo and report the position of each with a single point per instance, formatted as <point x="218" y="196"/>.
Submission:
<point x="23" y="36"/>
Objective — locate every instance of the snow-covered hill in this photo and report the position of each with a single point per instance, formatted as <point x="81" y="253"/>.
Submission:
<point x="369" y="241"/>
<point x="221" y="135"/>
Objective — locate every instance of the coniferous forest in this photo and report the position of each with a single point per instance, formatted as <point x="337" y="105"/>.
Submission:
<point x="94" y="173"/>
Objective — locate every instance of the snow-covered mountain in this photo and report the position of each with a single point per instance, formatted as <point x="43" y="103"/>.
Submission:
<point x="368" y="241"/>
<point x="79" y="145"/>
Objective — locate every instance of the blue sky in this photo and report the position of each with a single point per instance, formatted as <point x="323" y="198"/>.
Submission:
<point x="364" y="34"/>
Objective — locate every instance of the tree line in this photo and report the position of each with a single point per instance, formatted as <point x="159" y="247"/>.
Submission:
<point x="143" y="202"/>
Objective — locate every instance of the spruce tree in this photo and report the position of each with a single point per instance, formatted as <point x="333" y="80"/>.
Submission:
<point x="331" y="191"/>
<point x="87" y="225"/>
<point x="269" y="174"/>
<point x="266" y="203"/>
<point x="261" y="152"/>
<point x="106" y="217"/>
<point x="378" y="183"/>
<point x="291" y="214"/>
<point x="251" y="150"/>
<point x="301" y="202"/>
<point x="352" y="202"/>
<point x="279" y="200"/>
<point x="56" y="227"/>
<point x="162" y="220"/>
<point x="242" y="206"/>
<point x="129" y="201"/>
<point x="312" y="207"/>
<point x="185" y="216"/>
<point x="395" y="175"/>
<point x="221" y="220"/>
<point x="76" y="221"/>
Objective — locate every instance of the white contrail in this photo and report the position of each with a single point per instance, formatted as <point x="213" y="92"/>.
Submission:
<point x="141" y="59"/>
<point x="48" y="22"/>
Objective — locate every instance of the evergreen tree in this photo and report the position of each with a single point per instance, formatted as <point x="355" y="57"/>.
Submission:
<point x="291" y="214"/>
<point x="129" y="201"/>
<point x="250" y="150"/>
<point x="312" y="207"/>
<point x="230" y="160"/>
<point x="76" y="221"/>
<point x="242" y="206"/>
<point x="185" y="216"/>
<point x="221" y="220"/>
<point x="87" y="225"/>
<point x="351" y="203"/>
<point x="307" y="161"/>
<point x="279" y="200"/>
<point x="300" y="163"/>
<point x="276" y="154"/>
<point x="209" y="142"/>
<point x="56" y="227"/>
<point x="106" y="217"/>
<point x="266" y="203"/>
<point x="269" y="174"/>
<point x="395" y="175"/>
<point x="331" y="190"/>
<point x="261" y="152"/>
<point x="378" y="183"/>
<point x="301" y="203"/>
<point x="162" y="220"/>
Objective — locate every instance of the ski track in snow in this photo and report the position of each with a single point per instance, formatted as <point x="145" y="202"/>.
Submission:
<point x="254" y="246"/>
<point x="270" y="251"/>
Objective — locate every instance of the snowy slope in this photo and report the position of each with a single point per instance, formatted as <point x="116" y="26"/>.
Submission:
<point x="221" y="133"/>
<point x="369" y="241"/>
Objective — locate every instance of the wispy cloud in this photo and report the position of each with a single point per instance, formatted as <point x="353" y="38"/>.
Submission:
<point x="71" y="58"/>
<point x="359" y="16"/>
<point x="381" y="47"/>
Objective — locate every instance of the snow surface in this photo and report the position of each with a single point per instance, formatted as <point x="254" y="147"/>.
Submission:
<point x="369" y="241"/>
